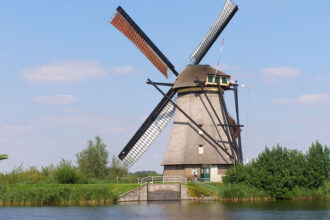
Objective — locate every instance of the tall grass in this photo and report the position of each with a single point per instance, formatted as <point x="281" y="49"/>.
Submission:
<point x="323" y="192"/>
<point x="61" y="194"/>
<point x="242" y="192"/>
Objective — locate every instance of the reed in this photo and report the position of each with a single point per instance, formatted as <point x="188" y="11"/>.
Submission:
<point x="61" y="194"/>
<point x="243" y="192"/>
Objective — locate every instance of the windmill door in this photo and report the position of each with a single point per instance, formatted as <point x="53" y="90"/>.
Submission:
<point x="205" y="174"/>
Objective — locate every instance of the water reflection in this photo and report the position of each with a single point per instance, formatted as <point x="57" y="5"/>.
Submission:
<point x="178" y="210"/>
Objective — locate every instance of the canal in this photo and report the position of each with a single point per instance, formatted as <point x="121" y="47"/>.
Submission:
<point x="177" y="210"/>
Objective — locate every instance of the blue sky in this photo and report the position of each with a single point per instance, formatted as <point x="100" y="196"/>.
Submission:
<point x="68" y="75"/>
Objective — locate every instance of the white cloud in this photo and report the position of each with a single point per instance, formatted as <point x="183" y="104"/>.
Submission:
<point x="323" y="78"/>
<point x="56" y="99"/>
<point x="271" y="75"/>
<point x="307" y="99"/>
<point x="113" y="130"/>
<point x="64" y="71"/>
<point x="123" y="70"/>
<point x="12" y="131"/>
<point x="72" y="120"/>
<point x="18" y="128"/>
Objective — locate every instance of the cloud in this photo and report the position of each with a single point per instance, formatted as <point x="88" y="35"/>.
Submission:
<point x="123" y="70"/>
<point x="113" y="130"/>
<point x="64" y="71"/>
<point x="323" y="78"/>
<point x="307" y="99"/>
<point x="18" y="128"/>
<point x="272" y="75"/>
<point x="56" y="99"/>
<point x="12" y="131"/>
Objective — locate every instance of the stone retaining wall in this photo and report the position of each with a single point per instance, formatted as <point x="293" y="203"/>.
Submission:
<point x="156" y="192"/>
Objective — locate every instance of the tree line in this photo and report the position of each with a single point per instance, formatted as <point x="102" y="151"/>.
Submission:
<point x="279" y="171"/>
<point x="93" y="166"/>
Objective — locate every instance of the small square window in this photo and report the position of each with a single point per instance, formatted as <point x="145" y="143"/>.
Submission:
<point x="200" y="149"/>
<point x="224" y="80"/>
<point x="210" y="79"/>
<point x="217" y="79"/>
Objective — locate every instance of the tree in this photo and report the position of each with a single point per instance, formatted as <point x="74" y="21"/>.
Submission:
<point x="3" y="156"/>
<point x="318" y="165"/>
<point x="117" y="167"/>
<point x="279" y="170"/>
<point x="93" y="160"/>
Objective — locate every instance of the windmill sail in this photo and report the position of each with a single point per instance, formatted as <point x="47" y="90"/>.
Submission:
<point x="132" y="31"/>
<point x="149" y="131"/>
<point x="228" y="11"/>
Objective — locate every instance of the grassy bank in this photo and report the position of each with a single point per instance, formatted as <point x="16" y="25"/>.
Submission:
<point x="61" y="194"/>
<point x="241" y="192"/>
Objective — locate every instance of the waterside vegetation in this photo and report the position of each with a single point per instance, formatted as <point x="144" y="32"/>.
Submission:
<point x="276" y="174"/>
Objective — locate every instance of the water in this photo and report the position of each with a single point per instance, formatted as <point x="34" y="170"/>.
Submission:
<point x="177" y="210"/>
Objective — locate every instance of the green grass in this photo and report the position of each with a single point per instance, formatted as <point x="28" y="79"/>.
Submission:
<point x="61" y="194"/>
<point x="242" y="192"/>
<point x="322" y="192"/>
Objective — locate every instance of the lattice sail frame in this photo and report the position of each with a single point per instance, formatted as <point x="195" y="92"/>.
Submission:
<point x="131" y="30"/>
<point x="228" y="11"/>
<point x="150" y="135"/>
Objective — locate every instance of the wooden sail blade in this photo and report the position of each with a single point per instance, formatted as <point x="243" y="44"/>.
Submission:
<point x="228" y="11"/>
<point x="133" y="32"/>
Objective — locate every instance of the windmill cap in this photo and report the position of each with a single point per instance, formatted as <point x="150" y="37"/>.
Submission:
<point x="191" y="73"/>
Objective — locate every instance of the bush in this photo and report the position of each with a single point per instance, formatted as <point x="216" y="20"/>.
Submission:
<point x="279" y="170"/>
<point x="65" y="173"/>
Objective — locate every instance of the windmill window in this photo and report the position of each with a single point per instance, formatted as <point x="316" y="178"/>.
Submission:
<point x="210" y="79"/>
<point x="200" y="149"/>
<point x="224" y="80"/>
<point x="217" y="79"/>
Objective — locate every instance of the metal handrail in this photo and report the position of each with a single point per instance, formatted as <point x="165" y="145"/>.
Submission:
<point x="163" y="179"/>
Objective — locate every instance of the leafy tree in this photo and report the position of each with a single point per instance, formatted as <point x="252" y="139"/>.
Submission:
<point x="117" y="168"/>
<point x="94" y="159"/>
<point x="144" y="173"/>
<point x="3" y="156"/>
<point x="279" y="170"/>
<point x="318" y="165"/>
<point x="65" y="173"/>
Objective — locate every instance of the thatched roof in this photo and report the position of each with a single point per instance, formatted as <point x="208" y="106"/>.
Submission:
<point x="195" y="72"/>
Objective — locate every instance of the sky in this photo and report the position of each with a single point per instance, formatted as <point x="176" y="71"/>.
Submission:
<point x="67" y="75"/>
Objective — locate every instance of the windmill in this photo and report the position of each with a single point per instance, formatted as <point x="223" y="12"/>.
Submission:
<point x="205" y="140"/>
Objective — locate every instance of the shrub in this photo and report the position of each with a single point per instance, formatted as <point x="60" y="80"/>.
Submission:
<point x="279" y="170"/>
<point x="65" y="173"/>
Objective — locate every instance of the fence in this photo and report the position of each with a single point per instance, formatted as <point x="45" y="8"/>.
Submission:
<point x="163" y="179"/>
<point x="127" y="180"/>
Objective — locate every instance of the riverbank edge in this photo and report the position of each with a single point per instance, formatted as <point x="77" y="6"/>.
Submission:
<point x="62" y="194"/>
<point x="107" y="194"/>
